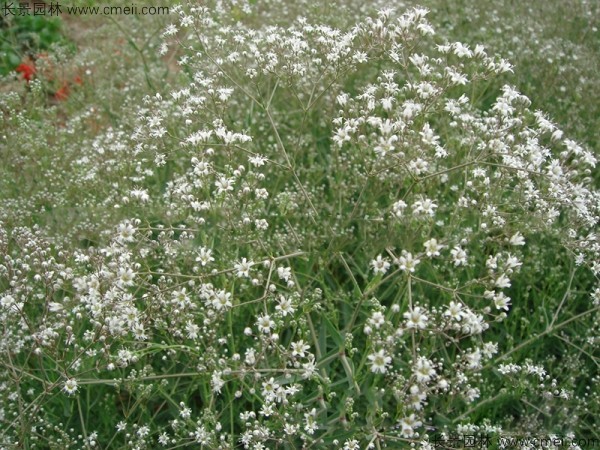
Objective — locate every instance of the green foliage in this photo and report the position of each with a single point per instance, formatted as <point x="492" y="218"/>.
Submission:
<point x="26" y="35"/>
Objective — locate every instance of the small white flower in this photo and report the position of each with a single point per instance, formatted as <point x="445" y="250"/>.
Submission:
<point x="170" y="30"/>
<point x="222" y="300"/>
<point x="126" y="232"/>
<point x="224" y="184"/>
<point x="243" y="268"/>
<point x="265" y="323"/>
<point x="70" y="386"/>
<point x="126" y="276"/>
<point x="406" y="262"/>
<point x="285" y="306"/>
<point x="459" y="256"/>
<point x="379" y="361"/>
<point x="398" y="208"/>
<point x="424" y="207"/>
<point x="204" y="256"/>
<point x="299" y="347"/>
<point x="462" y="51"/>
<point x="454" y="311"/>
<point x="284" y="273"/>
<point x="432" y="248"/>
<point x="517" y="239"/>
<point x="423" y="370"/>
<point x="377" y="319"/>
<point x="257" y="160"/>
<point x="269" y="388"/>
<point x="380" y="265"/>
<point x="408" y="425"/>
<point x="501" y="301"/>
<point x="415" y="318"/>
<point x="502" y="282"/>
<point x="192" y="330"/>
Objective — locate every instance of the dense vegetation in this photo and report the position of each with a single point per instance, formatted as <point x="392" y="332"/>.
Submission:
<point x="302" y="225"/>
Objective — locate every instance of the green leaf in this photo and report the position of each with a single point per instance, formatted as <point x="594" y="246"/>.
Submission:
<point x="335" y="334"/>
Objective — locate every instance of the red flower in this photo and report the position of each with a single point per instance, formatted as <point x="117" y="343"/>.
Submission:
<point x="62" y="93"/>
<point x="27" y="69"/>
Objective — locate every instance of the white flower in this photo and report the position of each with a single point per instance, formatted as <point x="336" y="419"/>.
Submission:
<point x="310" y="421"/>
<point x="406" y="262"/>
<point x="424" y="207"/>
<point x="224" y="184"/>
<point x="222" y="300"/>
<point x="217" y="382"/>
<point x="379" y="361"/>
<point x="261" y="224"/>
<point x="170" y="30"/>
<point x="192" y="330"/>
<point x="454" y="311"/>
<point x="285" y="306"/>
<point x="501" y="301"/>
<point x="398" y="208"/>
<point x="126" y="276"/>
<point x="380" y="265"/>
<point x="284" y="273"/>
<point x="243" y="268"/>
<point x="257" y="160"/>
<point x="7" y="301"/>
<point x="351" y="444"/>
<point x="377" y="319"/>
<point x="184" y="412"/>
<point x="423" y="370"/>
<point x="265" y="323"/>
<point x="204" y="256"/>
<point x="299" y="347"/>
<point x="459" y="256"/>
<point x="502" y="281"/>
<point x="512" y="262"/>
<point x="70" y="386"/>
<point x="517" y="239"/>
<point x="432" y="248"/>
<point x="269" y="389"/>
<point x="126" y="232"/>
<point x="415" y="318"/>
<point x="408" y="425"/>
<point x="461" y="50"/>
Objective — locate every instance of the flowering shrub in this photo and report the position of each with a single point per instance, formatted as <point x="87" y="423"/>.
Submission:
<point x="325" y="239"/>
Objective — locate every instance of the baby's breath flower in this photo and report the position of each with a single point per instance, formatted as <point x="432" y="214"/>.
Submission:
<point x="459" y="256"/>
<point x="454" y="311"/>
<point x="416" y="318"/>
<point x="517" y="239"/>
<point x="408" y="425"/>
<point x="299" y="348"/>
<point x="265" y="324"/>
<point x="423" y="370"/>
<point x="432" y="248"/>
<point x="380" y="265"/>
<point x="243" y="268"/>
<point x="222" y="300"/>
<point x="379" y="361"/>
<point x="502" y="282"/>
<point x="285" y="306"/>
<point x="71" y="386"/>
<point x="406" y="262"/>
<point x="224" y="184"/>
<point x="126" y="232"/>
<point x="377" y="319"/>
<point x="204" y="256"/>
<point x="501" y="301"/>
